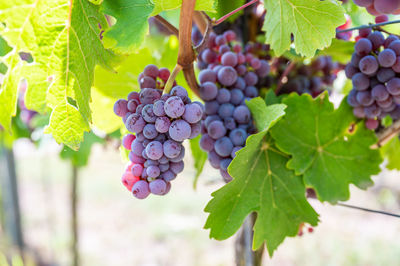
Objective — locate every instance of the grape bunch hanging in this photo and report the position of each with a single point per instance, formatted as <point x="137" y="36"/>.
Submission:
<point x="228" y="78"/>
<point x="379" y="7"/>
<point x="375" y="73"/>
<point x="160" y="123"/>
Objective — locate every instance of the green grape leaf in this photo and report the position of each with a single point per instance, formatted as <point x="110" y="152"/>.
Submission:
<point x="4" y="47"/>
<point x="261" y="183"/>
<point x="131" y="27"/>
<point x="199" y="156"/>
<point x="80" y="158"/>
<point x="313" y="24"/>
<point x="339" y="50"/>
<point x="64" y="41"/>
<point x="391" y="152"/>
<point x="322" y="148"/>
<point x="223" y="7"/>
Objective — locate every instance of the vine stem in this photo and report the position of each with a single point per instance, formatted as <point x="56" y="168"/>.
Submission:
<point x="387" y="134"/>
<point x="284" y="74"/>
<point x="171" y="79"/>
<point x="369" y="26"/>
<point x="223" y="18"/>
<point x="171" y="28"/>
<point x="201" y="21"/>
<point x="368" y="210"/>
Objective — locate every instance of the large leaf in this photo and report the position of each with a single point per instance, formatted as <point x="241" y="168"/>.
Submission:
<point x="64" y="40"/>
<point x="261" y="183"/>
<point x="391" y="152"/>
<point x="323" y="150"/>
<point x="313" y="24"/>
<point x="223" y="7"/>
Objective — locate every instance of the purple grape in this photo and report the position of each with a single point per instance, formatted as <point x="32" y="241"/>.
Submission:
<point x="229" y="123"/>
<point x="387" y="58"/>
<point x="364" y="98"/>
<point x="377" y="39"/>
<point x="171" y="148"/>
<point x="395" y="113"/>
<point x="162" y="124"/>
<point x="193" y="113"/>
<point x="174" y="107"/>
<point x="386" y="6"/>
<point x="238" y="136"/>
<point x="385" y="74"/>
<point x="140" y="137"/>
<point x="195" y="130"/>
<point x="226" y="76"/>
<point x="158" y="187"/>
<point x="223" y="147"/>
<point x="141" y="189"/>
<point x="147" y="113"/>
<point x="135" y="123"/>
<point x="127" y="141"/>
<point x="154" y="150"/>
<point x="208" y="91"/>
<point x="180" y="92"/>
<point x="263" y="70"/>
<point x="214" y="159"/>
<point x="136" y="159"/>
<point x="360" y="81"/>
<point x="355" y="60"/>
<point x="223" y="165"/>
<point x="372" y="111"/>
<point x="396" y="66"/>
<point x="229" y="59"/>
<point x="208" y="56"/>
<point x="179" y="157"/>
<point x="216" y="129"/>
<point x="389" y="40"/>
<point x="363" y="3"/>
<point x="164" y="74"/>
<point x="236" y="96"/>
<point x="251" y="92"/>
<point x="164" y="167"/>
<point x="158" y="108"/>
<point x="385" y="103"/>
<point x="179" y="130"/>
<point x="149" y="95"/>
<point x="242" y="114"/>
<point x="379" y="93"/>
<point x="149" y="131"/>
<point x="153" y="171"/>
<point x="363" y="46"/>
<point x="251" y="78"/>
<point x="393" y="86"/>
<point x="207" y="75"/>
<point x="151" y="71"/>
<point x="211" y="107"/>
<point x="137" y="147"/>
<point x="168" y="176"/>
<point x="365" y="32"/>
<point x="368" y="65"/>
<point x="372" y="124"/>
<point x="134" y="95"/>
<point x="132" y="105"/>
<point x="240" y="83"/>
<point x="177" y="167"/>
<point x="206" y="143"/>
<point x="225" y="175"/>
<point x="137" y="169"/>
<point x="359" y="112"/>
<point x="350" y="71"/>
<point x="226" y="110"/>
<point x="395" y="46"/>
<point x="120" y="107"/>
<point x="147" y="82"/>
<point x="211" y="118"/>
<point x="352" y="99"/>
<point x="224" y="48"/>
<point x="223" y="96"/>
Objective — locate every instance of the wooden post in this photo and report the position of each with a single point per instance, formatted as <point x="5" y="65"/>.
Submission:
<point x="244" y="254"/>
<point x="10" y="198"/>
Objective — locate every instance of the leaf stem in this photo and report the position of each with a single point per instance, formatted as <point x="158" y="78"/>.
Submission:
<point x="171" y="28"/>
<point x="283" y="76"/>
<point x="369" y="26"/>
<point x="220" y="20"/>
<point x="171" y="79"/>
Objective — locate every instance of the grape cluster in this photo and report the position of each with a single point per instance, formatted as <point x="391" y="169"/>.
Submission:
<point x="228" y="78"/>
<point x="312" y="78"/>
<point x="375" y="73"/>
<point x="379" y="7"/>
<point x="161" y="122"/>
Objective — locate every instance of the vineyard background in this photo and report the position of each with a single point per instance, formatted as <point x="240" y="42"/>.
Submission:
<point x="115" y="230"/>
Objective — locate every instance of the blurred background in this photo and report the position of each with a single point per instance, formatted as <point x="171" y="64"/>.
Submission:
<point x="117" y="229"/>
